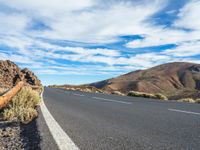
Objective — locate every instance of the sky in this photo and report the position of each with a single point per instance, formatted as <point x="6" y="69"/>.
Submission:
<point x="84" y="41"/>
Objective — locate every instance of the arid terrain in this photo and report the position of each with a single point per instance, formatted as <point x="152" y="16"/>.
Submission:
<point x="174" y="80"/>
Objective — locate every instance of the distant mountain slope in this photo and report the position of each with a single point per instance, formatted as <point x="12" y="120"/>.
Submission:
<point x="175" y="80"/>
<point x="10" y="74"/>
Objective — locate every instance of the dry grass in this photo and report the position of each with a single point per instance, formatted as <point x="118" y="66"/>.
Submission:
<point x="197" y="100"/>
<point x="117" y="93"/>
<point x="147" y="95"/>
<point x="23" y="106"/>
<point x="140" y="94"/>
<point x="40" y="89"/>
<point x="161" y="96"/>
<point x="82" y="88"/>
<point x="187" y="100"/>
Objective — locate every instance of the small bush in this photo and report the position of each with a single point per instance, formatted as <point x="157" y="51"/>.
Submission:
<point x="141" y="94"/>
<point x="117" y="93"/>
<point x="40" y="89"/>
<point x="88" y="90"/>
<point x="161" y="96"/>
<point x="188" y="100"/>
<point x="147" y="95"/>
<point x="24" y="115"/>
<point x="197" y="100"/>
<point x="23" y="106"/>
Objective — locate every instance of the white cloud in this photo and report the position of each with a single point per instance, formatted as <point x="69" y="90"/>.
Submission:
<point x="189" y="16"/>
<point x="160" y="36"/>
<point x="48" y="8"/>
<point x="12" y="23"/>
<point x="87" y="20"/>
<point x="16" y="58"/>
<point x="185" y="49"/>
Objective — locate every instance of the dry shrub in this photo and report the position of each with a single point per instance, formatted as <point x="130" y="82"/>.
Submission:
<point x="23" y="106"/>
<point x="161" y="96"/>
<point x="88" y="90"/>
<point x="197" y="100"/>
<point x="147" y="95"/>
<point x="141" y="94"/>
<point x="188" y="100"/>
<point x="24" y="115"/>
<point x="40" y="89"/>
<point x="117" y="93"/>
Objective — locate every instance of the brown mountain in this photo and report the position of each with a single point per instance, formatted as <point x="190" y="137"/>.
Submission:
<point x="175" y="80"/>
<point x="10" y="74"/>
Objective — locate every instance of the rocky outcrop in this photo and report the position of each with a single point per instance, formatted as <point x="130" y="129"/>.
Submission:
<point x="11" y="74"/>
<point x="30" y="77"/>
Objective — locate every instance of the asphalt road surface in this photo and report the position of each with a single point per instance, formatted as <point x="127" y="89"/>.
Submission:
<point x="111" y="122"/>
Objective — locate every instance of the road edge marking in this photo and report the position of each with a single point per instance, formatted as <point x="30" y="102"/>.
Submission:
<point x="183" y="111"/>
<point x="61" y="138"/>
<point x="110" y="100"/>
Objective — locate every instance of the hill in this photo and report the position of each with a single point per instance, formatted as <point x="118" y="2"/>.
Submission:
<point x="174" y="80"/>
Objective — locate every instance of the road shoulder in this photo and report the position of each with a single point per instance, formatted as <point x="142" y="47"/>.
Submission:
<point x="46" y="139"/>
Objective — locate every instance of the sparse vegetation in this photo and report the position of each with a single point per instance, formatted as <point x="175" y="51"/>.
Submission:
<point x="147" y="95"/>
<point x="117" y="93"/>
<point x="23" y="106"/>
<point x="161" y="96"/>
<point x="83" y="88"/>
<point x="198" y="100"/>
<point x="188" y="100"/>
<point x="140" y="94"/>
<point x="40" y="89"/>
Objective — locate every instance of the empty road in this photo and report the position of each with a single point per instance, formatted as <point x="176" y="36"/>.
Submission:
<point x="111" y="122"/>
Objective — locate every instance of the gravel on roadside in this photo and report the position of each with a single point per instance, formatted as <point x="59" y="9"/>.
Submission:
<point x="10" y="136"/>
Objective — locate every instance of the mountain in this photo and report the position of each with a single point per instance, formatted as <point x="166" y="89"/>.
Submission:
<point x="174" y="80"/>
<point x="10" y="74"/>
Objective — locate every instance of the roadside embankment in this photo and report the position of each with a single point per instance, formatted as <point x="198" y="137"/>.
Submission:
<point x="18" y="110"/>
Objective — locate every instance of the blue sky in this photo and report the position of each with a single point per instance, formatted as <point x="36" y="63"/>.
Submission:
<point x="83" y="41"/>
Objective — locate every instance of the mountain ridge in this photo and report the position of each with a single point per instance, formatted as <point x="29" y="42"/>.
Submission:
<point x="175" y="80"/>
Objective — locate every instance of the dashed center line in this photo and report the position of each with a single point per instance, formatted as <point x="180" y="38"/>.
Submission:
<point x="78" y="94"/>
<point x="183" y="111"/>
<point x="110" y="100"/>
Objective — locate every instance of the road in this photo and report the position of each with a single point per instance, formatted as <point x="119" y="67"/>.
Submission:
<point x="110" y="122"/>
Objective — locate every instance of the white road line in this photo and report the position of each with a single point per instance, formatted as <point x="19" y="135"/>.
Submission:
<point x="183" y="111"/>
<point x="110" y="100"/>
<point x="63" y="141"/>
<point x="78" y="94"/>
